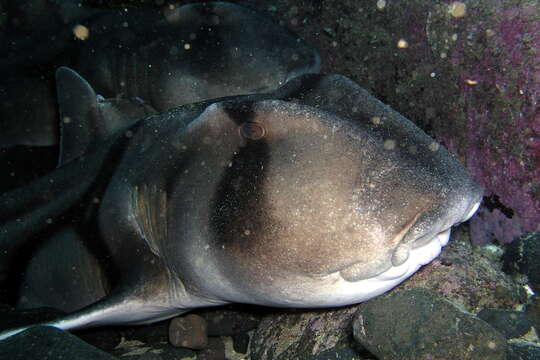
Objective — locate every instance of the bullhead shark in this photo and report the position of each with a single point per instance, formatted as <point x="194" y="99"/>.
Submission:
<point x="313" y="195"/>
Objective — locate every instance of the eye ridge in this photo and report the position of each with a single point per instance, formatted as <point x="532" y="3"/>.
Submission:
<point x="252" y="130"/>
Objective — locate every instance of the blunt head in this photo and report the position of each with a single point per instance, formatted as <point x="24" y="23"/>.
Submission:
<point x="289" y="205"/>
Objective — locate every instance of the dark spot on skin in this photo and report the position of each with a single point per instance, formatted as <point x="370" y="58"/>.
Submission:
<point x="240" y="114"/>
<point x="238" y="204"/>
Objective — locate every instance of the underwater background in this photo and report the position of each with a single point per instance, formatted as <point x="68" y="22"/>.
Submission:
<point x="466" y="72"/>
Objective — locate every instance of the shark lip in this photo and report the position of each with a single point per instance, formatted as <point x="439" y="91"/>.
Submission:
<point x="414" y="257"/>
<point x="471" y="211"/>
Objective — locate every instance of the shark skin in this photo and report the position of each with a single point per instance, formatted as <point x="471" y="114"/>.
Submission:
<point x="314" y="195"/>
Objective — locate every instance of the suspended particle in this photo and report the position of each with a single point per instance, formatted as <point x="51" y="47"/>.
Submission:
<point x="402" y="44"/>
<point x="434" y="146"/>
<point x="81" y="32"/>
<point x="457" y="9"/>
<point x="376" y="120"/>
<point x="389" y="144"/>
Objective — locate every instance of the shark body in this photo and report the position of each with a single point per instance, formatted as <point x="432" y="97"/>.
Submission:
<point x="313" y="195"/>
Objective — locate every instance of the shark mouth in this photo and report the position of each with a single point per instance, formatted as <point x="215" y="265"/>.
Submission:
<point x="414" y="256"/>
<point x="356" y="287"/>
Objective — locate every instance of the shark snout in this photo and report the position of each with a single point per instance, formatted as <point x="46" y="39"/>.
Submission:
<point x="471" y="211"/>
<point x="432" y="230"/>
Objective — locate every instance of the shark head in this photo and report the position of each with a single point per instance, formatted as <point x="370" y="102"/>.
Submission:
<point x="294" y="204"/>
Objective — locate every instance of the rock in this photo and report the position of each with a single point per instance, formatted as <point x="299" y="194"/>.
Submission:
<point x="188" y="331"/>
<point x="229" y="322"/>
<point x="533" y="312"/>
<point x="294" y="335"/>
<point x="49" y="343"/>
<point x="521" y="257"/>
<point x="133" y="348"/>
<point x="510" y="323"/>
<point x="344" y="353"/>
<point x="467" y="278"/>
<point x="122" y="340"/>
<point x="241" y="343"/>
<point x="214" y="351"/>
<point x="522" y="351"/>
<point x="418" y="324"/>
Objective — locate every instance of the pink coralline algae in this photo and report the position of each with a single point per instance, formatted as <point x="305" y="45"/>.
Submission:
<point x="499" y="71"/>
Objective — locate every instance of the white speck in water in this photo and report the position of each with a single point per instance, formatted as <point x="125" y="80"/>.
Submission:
<point x="457" y="9"/>
<point x="389" y="144"/>
<point x="402" y="44"/>
<point x="434" y="146"/>
<point x="81" y="32"/>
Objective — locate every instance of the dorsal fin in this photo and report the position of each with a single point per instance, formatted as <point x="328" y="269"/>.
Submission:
<point x="87" y="118"/>
<point x="80" y="118"/>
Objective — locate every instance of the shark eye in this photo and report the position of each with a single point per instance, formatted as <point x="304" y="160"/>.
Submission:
<point x="252" y="130"/>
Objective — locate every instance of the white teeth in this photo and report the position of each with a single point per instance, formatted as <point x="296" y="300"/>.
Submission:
<point x="471" y="213"/>
<point x="443" y="237"/>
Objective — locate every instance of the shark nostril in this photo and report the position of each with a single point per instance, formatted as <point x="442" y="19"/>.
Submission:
<point x="252" y="130"/>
